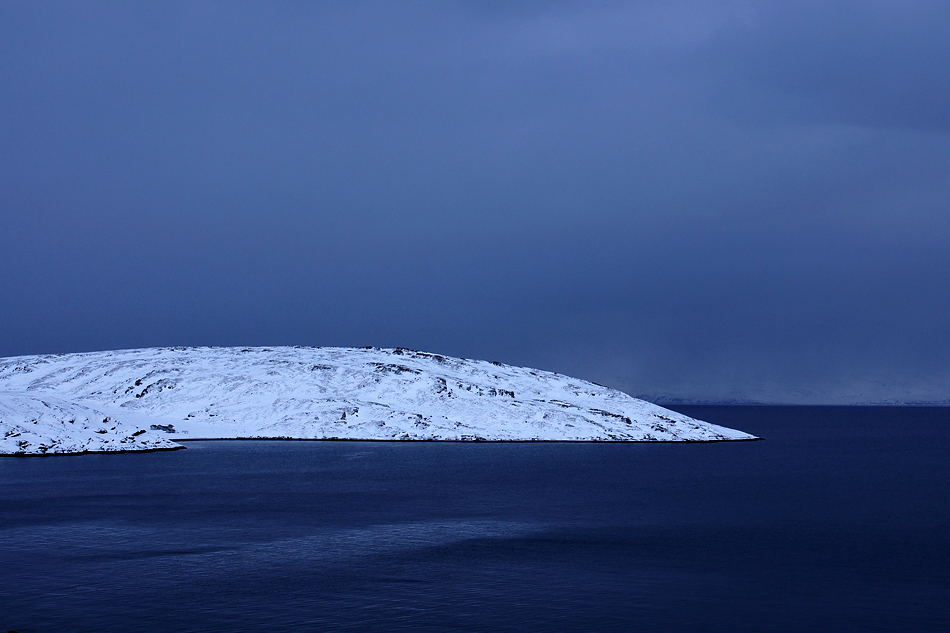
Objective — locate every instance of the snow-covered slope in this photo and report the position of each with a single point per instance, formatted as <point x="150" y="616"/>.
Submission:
<point x="39" y="424"/>
<point x="312" y="393"/>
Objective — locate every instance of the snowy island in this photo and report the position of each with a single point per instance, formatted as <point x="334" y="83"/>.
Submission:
<point x="144" y="399"/>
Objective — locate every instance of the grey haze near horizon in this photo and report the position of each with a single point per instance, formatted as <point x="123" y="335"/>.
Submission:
<point x="682" y="200"/>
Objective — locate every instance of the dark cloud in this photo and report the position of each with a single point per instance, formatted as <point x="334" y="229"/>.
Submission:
<point x="690" y="199"/>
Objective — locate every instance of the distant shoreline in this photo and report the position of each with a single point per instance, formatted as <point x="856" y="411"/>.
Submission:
<point x="896" y="405"/>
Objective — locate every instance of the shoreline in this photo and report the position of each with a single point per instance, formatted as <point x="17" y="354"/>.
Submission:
<point x="471" y="441"/>
<point x="396" y="440"/>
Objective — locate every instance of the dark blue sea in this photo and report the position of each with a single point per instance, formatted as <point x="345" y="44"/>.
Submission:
<point x="838" y="521"/>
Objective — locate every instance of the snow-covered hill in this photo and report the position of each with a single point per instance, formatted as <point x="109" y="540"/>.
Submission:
<point x="139" y="399"/>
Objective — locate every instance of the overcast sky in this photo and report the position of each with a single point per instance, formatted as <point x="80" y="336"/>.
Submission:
<point x="709" y="200"/>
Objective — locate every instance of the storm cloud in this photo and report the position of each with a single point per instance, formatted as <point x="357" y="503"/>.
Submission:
<point x="695" y="200"/>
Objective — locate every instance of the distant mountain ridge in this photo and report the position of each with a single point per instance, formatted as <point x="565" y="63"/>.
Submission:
<point x="672" y="402"/>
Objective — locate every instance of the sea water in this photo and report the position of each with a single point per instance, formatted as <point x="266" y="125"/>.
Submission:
<point x="839" y="520"/>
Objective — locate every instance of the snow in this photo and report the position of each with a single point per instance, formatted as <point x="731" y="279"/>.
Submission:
<point x="142" y="399"/>
<point x="40" y="424"/>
